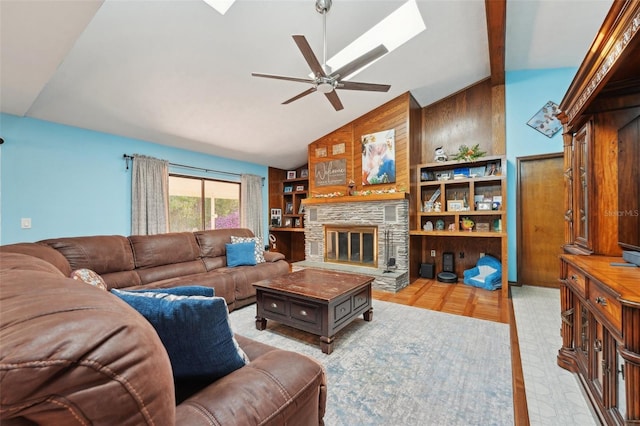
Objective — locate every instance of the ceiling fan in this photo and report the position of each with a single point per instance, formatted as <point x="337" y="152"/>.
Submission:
<point x="324" y="80"/>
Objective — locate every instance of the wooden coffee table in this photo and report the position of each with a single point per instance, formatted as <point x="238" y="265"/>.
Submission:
<point x="316" y="301"/>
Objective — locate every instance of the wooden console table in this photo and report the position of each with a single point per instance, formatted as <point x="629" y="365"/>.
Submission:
<point x="316" y="301"/>
<point x="600" y="306"/>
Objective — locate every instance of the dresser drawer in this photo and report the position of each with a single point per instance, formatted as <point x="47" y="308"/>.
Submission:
<point x="606" y="304"/>
<point x="577" y="281"/>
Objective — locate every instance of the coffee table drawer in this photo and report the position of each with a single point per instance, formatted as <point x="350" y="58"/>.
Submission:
<point x="275" y="304"/>
<point x="305" y="312"/>
<point x="360" y="299"/>
<point x="342" y="310"/>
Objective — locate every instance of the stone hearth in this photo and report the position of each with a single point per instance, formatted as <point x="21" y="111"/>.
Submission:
<point x="389" y="214"/>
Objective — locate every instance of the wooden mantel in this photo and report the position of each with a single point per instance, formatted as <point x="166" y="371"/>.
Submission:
<point x="387" y="196"/>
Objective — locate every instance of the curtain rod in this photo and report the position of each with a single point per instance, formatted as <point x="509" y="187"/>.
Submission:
<point x="184" y="166"/>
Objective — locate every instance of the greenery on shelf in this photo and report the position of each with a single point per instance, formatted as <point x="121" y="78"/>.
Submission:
<point x="469" y="154"/>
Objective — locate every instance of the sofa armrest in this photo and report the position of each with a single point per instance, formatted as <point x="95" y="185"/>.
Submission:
<point x="278" y="387"/>
<point x="273" y="256"/>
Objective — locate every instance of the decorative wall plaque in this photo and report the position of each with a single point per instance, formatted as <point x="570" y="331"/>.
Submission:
<point x="332" y="172"/>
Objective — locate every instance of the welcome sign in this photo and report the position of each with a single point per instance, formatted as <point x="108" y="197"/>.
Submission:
<point x="332" y="172"/>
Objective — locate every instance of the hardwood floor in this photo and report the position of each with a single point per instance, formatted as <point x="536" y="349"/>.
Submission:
<point x="461" y="299"/>
<point x="458" y="299"/>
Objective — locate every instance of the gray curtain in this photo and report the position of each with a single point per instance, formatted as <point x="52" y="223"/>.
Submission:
<point x="251" y="203"/>
<point x="149" y="196"/>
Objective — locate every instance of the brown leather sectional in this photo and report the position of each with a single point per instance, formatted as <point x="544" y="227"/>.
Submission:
<point x="71" y="353"/>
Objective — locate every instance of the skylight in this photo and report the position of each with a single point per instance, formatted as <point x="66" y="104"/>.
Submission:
<point x="393" y="31"/>
<point x="220" y="5"/>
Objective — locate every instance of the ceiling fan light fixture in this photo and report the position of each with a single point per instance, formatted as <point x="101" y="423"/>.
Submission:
<point x="325" y="87"/>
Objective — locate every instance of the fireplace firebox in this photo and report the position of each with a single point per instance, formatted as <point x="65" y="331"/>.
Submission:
<point x="353" y="245"/>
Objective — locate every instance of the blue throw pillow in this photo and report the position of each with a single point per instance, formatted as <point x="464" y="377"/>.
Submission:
<point x="239" y="254"/>
<point x="185" y="290"/>
<point x="194" y="330"/>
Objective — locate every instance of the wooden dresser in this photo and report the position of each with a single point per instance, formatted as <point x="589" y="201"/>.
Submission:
<point x="600" y="305"/>
<point x="600" y="302"/>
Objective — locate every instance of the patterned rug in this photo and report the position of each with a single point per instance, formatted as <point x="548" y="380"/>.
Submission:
<point x="408" y="366"/>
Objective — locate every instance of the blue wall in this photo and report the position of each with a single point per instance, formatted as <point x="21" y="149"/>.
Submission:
<point x="526" y="92"/>
<point x="72" y="181"/>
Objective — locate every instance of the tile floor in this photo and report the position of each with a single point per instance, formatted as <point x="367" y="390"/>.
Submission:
<point x="554" y="396"/>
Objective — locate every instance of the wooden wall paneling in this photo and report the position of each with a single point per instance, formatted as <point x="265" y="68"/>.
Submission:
<point x="392" y="115"/>
<point x="471" y="247"/>
<point x="276" y="176"/>
<point x="462" y="118"/>
<point x="415" y="154"/>
<point x="496" y="11"/>
<point x="498" y="125"/>
<point x="326" y="144"/>
<point x="395" y="114"/>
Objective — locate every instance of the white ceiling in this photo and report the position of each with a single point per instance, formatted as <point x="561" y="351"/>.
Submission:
<point x="178" y="73"/>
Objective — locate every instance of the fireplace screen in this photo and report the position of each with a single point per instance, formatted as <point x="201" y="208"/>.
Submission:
<point x="352" y="245"/>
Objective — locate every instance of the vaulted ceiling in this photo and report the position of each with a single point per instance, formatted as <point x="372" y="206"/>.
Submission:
<point x="178" y="73"/>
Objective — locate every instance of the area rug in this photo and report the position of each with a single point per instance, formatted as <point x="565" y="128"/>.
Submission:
<point x="409" y="366"/>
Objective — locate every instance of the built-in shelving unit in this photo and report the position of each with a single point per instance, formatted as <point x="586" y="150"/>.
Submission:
<point x="467" y="192"/>
<point x="286" y="193"/>
<point x="460" y="208"/>
<point x="294" y="190"/>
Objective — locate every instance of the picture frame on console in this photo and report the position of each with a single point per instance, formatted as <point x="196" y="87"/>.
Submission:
<point x="291" y="174"/>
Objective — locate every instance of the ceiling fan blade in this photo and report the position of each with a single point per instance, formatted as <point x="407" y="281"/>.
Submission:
<point x="309" y="56"/>
<point x="335" y="100"/>
<point x="354" y="85"/>
<point x="360" y="62"/>
<point x="300" y="95"/>
<point x="280" y="77"/>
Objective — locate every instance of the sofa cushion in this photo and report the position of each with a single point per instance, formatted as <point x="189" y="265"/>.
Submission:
<point x="212" y="242"/>
<point x="101" y="253"/>
<point x="41" y="251"/>
<point x="24" y="262"/>
<point x="259" y="247"/>
<point x="187" y="290"/>
<point x="241" y="254"/>
<point x="195" y="331"/>
<point x="90" y="277"/>
<point x="164" y="249"/>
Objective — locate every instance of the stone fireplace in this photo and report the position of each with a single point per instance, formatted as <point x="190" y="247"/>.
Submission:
<point x="360" y="234"/>
<point x="351" y="245"/>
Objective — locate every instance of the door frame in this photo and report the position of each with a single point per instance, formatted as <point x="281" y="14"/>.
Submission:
<point x="519" y="160"/>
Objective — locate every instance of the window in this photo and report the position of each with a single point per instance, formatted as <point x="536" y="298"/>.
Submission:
<point x="197" y="204"/>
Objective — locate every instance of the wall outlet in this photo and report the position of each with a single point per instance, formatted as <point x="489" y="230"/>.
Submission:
<point x="481" y="254"/>
<point x="461" y="255"/>
<point x="433" y="253"/>
<point x="25" y="223"/>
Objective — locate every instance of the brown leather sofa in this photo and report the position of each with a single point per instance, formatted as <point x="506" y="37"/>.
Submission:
<point x="71" y="353"/>
<point x="160" y="261"/>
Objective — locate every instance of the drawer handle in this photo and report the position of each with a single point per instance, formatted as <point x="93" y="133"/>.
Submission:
<point x="597" y="345"/>
<point x="274" y="305"/>
<point x="303" y="313"/>
<point x="342" y="310"/>
<point x="574" y="277"/>
<point x="601" y="301"/>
